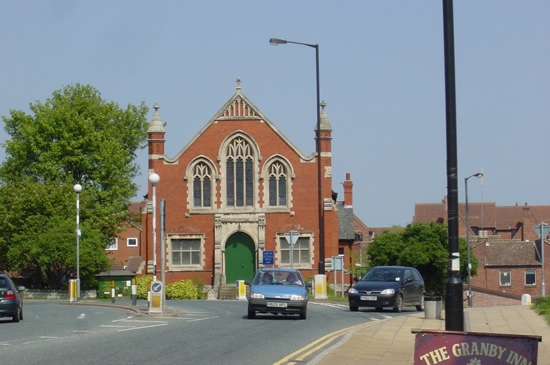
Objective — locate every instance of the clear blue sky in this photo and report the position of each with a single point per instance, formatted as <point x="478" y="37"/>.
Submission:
<point x="382" y="77"/>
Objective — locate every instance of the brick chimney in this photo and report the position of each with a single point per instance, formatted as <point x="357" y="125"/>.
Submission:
<point x="348" y="191"/>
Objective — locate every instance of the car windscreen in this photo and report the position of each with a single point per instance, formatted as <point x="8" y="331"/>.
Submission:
<point x="383" y="274"/>
<point x="278" y="278"/>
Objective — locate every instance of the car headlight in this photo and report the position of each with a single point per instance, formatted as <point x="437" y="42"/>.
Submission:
<point x="388" y="291"/>
<point x="256" y="295"/>
<point x="352" y="291"/>
<point x="297" y="297"/>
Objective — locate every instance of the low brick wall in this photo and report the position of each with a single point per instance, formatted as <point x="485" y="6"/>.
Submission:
<point x="55" y="294"/>
<point x="481" y="299"/>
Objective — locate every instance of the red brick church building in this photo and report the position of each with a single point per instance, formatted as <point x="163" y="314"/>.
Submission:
<point x="231" y="194"/>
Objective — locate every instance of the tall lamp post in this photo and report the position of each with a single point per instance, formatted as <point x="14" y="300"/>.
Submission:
<point x="154" y="179"/>
<point x="77" y="189"/>
<point x="276" y="42"/>
<point x="480" y="175"/>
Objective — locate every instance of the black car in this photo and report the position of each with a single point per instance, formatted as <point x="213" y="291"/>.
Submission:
<point x="388" y="286"/>
<point x="11" y="304"/>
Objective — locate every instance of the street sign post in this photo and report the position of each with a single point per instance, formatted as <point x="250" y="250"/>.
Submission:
<point x="542" y="230"/>
<point x="292" y="238"/>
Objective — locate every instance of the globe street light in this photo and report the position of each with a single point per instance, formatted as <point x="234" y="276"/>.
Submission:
<point x="276" y="42"/>
<point x="77" y="189"/>
<point x="480" y="175"/>
<point x="154" y="179"/>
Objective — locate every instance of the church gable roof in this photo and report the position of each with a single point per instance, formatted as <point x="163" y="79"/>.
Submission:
<point x="239" y="107"/>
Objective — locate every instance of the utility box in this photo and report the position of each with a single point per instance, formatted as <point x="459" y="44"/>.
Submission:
<point x="432" y="307"/>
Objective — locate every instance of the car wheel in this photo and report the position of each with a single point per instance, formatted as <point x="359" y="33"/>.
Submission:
<point x="251" y="313"/>
<point x="420" y="307"/>
<point x="353" y="309"/>
<point x="303" y="313"/>
<point x="378" y="309"/>
<point x="398" y="307"/>
<point x="16" y="317"/>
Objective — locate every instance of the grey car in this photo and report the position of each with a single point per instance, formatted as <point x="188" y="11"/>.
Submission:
<point x="11" y="304"/>
<point x="388" y="286"/>
<point x="278" y="291"/>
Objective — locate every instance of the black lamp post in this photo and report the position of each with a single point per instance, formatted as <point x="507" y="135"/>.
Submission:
<point x="276" y="42"/>
<point x="479" y="174"/>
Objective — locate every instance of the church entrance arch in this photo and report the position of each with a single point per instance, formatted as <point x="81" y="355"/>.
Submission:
<point x="240" y="258"/>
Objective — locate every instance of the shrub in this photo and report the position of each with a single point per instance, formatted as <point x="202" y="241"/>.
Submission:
<point x="143" y="286"/>
<point x="184" y="289"/>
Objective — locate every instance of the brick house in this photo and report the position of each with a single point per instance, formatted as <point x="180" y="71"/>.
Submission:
<point x="126" y="248"/>
<point x="504" y="241"/>
<point x="232" y="193"/>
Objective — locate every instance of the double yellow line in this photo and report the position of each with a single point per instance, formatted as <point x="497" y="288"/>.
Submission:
<point x="302" y="354"/>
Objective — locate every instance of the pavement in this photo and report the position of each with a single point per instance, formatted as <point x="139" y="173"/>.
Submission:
<point x="391" y="341"/>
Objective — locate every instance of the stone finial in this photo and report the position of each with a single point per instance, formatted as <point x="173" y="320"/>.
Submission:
<point x="238" y="84"/>
<point x="325" y="124"/>
<point x="156" y="123"/>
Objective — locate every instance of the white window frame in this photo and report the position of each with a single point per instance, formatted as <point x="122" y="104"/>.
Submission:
<point x="181" y="267"/>
<point x="113" y="245"/>
<point x="283" y="250"/>
<point x="503" y="274"/>
<point x="534" y="272"/>
<point x="132" y="239"/>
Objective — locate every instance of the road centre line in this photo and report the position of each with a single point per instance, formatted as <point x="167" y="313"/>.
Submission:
<point x="318" y="344"/>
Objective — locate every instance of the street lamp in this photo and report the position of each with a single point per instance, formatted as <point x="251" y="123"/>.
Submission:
<point x="479" y="175"/>
<point x="77" y="189"/>
<point x="154" y="179"/>
<point x="276" y="42"/>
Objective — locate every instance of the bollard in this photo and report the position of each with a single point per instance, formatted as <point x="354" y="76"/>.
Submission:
<point x="113" y="291"/>
<point x="134" y="292"/>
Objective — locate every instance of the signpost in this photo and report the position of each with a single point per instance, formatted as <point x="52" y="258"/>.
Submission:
<point x="338" y="265"/>
<point x="157" y="297"/>
<point x="542" y="230"/>
<point x="292" y="238"/>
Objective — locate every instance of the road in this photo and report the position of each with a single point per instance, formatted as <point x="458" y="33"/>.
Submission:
<point x="202" y="332"/>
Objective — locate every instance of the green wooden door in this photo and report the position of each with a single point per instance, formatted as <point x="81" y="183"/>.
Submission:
<point x="239" y="258"/>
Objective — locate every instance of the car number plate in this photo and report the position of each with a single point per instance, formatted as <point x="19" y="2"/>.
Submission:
<point x="368" y="297"/>
<point x="276" y="304"/>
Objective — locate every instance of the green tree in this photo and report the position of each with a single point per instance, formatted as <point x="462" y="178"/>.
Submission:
<point x="423" y="246"/>
<point x="74" y="137"/>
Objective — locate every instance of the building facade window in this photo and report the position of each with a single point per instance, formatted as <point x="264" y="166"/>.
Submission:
<point x="301" y="252"/>
<point x="112" y="245"/>
<point x="240" y="174"/>
<point x="132" y="242"/>
<point x="530" y="277"/>
<point x="277" y="184"/>
<point x="505" y="278"/>
<point x="202" y="185"/>
<point x="186" y="252"/>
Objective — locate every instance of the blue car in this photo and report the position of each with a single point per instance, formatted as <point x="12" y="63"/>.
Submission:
<point x="11" y="304"/>
<point x="278" y="291"/>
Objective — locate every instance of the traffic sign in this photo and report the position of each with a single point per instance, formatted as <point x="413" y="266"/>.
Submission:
<point x="292" y="237"/>
<point x="268" y="257"/>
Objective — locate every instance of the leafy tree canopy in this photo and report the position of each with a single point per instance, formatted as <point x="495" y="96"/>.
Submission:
<point x="74" y="137"/>
<point x="423" y="246"/>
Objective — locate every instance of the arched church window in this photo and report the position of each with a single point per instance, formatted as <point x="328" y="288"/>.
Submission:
<point x="240" y="174"/>
<point x="277" y="184"/>
<point x="202" y="180"/>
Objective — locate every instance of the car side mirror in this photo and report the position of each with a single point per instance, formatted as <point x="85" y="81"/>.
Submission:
<point x="355" y="278"/>
<point x="247" y="282"/>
